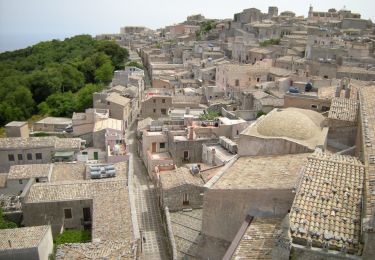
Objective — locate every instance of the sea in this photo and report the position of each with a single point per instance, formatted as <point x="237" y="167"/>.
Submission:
<point x="11" y="42"/>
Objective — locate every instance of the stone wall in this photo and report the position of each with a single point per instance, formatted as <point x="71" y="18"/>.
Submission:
<point x="36" y="214"/>
<point x="173" y="198"/>
<point x="225" y="210"/>
<point x="254" y="146"/>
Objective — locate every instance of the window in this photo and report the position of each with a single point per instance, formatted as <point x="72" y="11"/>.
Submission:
<point x="108" y="103"/>
<point x="237" y="83"/>
<point x="186" y="155"/>
<point x="162" y="145"/>
<point x="163" y="111"/>
<point x="84" y="153"/>
<point x="258" y="79"/>
<point x="154" y="100"/>
<point x="19" y="157"/>
<point x="163" y="100"/>
<point x="154" y="110"/>
<point x="185" y="199"/>
<point x="68" y="213"/>
<point x="38" y="156"/>
<point x="20" y="181"/>
<point x="11" y="157"/>
<point x="29" y="156"/>
<point x="314" y="106"/>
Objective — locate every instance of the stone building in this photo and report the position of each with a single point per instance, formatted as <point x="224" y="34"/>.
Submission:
<point x="118" y="105"/>
<point x="52" y="124"/>
<point x="19" y="176"/>
<point x="343" y="122"/>
<point x="32" y="150"/>
<point x="180" y="189"/>
<point x="326" y="214"/>
<point x="17" y="129"/>
<point x="101" y="206"/>
<point x="284" y="131"/>
<point x="248" y="185"/>
<point x="31" y="243"/>
<point x="235" y="78"/>
<point x="155" y="105"/>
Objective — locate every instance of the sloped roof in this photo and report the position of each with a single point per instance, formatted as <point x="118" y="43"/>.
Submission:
<point x="25" y="237"/>
<point x="179" y="177"/>
<point x="327" y="206"/>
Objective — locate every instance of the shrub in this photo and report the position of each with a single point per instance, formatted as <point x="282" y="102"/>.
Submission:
<point x="73" y="236"/>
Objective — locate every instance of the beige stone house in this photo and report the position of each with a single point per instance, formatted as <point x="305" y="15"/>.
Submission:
<point x="34" y="243"/>
<point x="247" y="185"/>
<point x="17" y="129"/>
<point x="180" y="189"/>
<point x="284" y="131"/>
<point x="118" y="105"/>
<point x="36" y="149"/>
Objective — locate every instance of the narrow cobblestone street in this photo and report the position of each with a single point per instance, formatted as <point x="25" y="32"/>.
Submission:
<point x="148" y="213"/>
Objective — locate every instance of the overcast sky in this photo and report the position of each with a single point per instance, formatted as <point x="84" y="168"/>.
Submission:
<point x="44" y="19"/>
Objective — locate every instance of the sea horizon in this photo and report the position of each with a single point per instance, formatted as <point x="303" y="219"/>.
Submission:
<point x="12" y="42"/>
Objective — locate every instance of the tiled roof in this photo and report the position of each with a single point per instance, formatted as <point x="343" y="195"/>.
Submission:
<point x="25" y="237"/>
<point x="55" y="120"/>
<point x="259" y="239"/>
<point x="179" y="177"/>
<point x="327" y="207"/>
<point x="187" y="227"/>
<point x="40" y="142"/>
<point x="112" y="233"/>
<point x="70" y="190"/>
<point x="344" y="109"/>
<point x="68" y="171"/>
<point x="28" y="171"/>
<point x="258" y="173"/>
<point x="16" y="123"/>
<point x="367" y="111"/>
<point x="117" y="98"/>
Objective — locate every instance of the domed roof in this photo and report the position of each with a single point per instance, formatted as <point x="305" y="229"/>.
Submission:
<point x="292" y="123"/>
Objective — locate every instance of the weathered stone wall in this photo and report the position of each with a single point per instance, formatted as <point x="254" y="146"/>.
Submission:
<point x="343" y="135"/>
<point x="253" y="146"/>
<point x="225" y="210"/>
<point x="36" y="214"/>
<point x="173" y="198"/>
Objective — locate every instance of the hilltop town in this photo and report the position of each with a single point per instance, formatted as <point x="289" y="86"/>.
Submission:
<point x="243" y="138"/>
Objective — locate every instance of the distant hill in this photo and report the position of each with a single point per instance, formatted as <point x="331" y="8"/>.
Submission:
<point x="56" y="77"/>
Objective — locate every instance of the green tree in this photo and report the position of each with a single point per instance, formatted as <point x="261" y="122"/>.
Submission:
<point x="104" y="73"/>
<point x="44" y="83"/>
<point x="84" y="96"/>
<point x="134" y="64"/>
<point x="72" y="79"/>
<point x="117" y="54"/>
<point x="58" y="104"/>
<point x="4" y="224"/>
<point x="50" y="68"/>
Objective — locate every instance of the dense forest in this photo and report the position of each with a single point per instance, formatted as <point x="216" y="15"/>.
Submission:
<point x="56" y="77"/>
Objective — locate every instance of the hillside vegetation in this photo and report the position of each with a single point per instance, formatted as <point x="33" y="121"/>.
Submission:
<point x="56" y="77"/>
